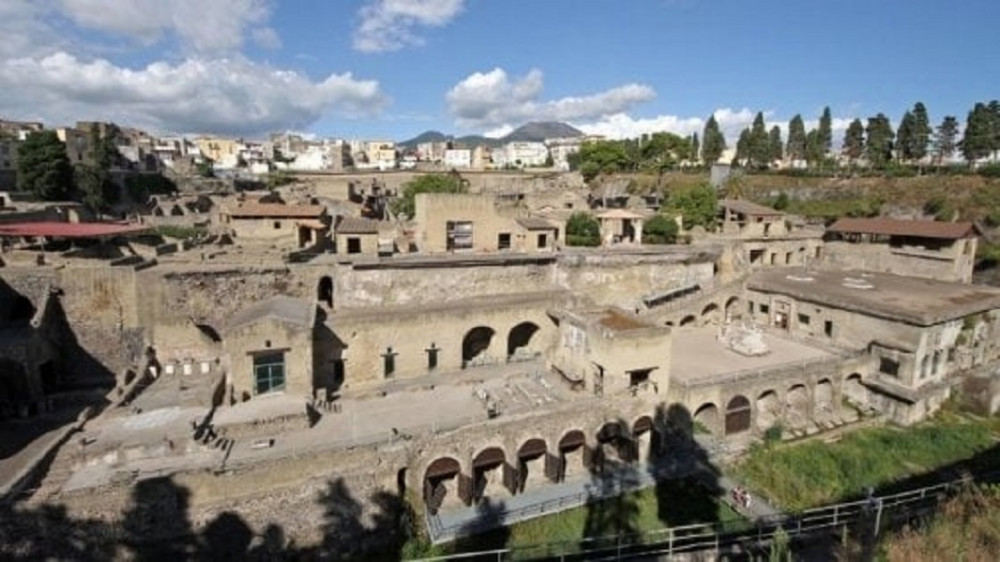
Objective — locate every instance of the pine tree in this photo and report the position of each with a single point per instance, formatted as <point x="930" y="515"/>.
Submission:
<point x="713" y="143"/>
<point x="743" y="145"/>
<point x="854" y="140"/>
<point x="826" y="131"/>
<point x="796" y="149"/>
<point x="904" y="137"/>
<point x="760" y="143"/>
<point x="880" y="141"/>
<point x="945" y="139"/>
<point x="776" y="144"/>
<point x="695" y="148"/>
<point x="921" y="137"/>
<point x="977" y="141"/>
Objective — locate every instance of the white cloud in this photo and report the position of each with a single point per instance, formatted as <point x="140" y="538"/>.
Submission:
<point x="388" y="25"/>
<point x="493" y="100"/>
<point x="499" y="132"/>
<point x="266" y="37"/>
<point x="234" y="96"/>
<point x="199" y="25"/>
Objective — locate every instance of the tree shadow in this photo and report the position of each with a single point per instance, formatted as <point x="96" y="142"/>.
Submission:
<point x="612" y="510"/>
<point x="47" y="533"/>
<point x="347" y="537"/>
<point x="227" y="537"/>
<point x="687" y="483"/>
<point x="156" y="525"/>
<point x="486" y="532"/>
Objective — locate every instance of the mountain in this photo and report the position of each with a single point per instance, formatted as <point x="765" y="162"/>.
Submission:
<point x="536" y="132"/>
<point x="542" y="130"/>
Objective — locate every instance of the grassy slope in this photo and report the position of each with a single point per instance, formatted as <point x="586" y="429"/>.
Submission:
<point x="811" y="474"/>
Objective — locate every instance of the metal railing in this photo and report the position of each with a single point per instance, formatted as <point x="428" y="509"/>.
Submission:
<point x="735" y="536"/>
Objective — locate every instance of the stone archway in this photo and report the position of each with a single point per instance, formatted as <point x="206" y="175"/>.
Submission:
<point x="854" y="390"/>
<point x="732" y="308"/>
<point x="710" y="314"/>
<point x="572" y="455"/>
<point x="445" y="485"/>
<point x="324" y="291"/>
<point x="492" y="477"/>
<point x="476" y="345"/>
<point x="519" y="340"/>
<point x="737" y="415"/>
<point x="768" y="410"/>
<point x="825" y="406"/>
<point x="532" y="460"/>
<point x="797" y="406"/>
<point x="645" y="439"/>
<point x="707" y="416"/>
<point x="613" y="444"/>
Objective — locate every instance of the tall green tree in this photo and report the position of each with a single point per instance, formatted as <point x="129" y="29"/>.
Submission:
<point x="743" y="147"/>
<point x="921" y="132"/>
<point x="977" y="140"/>
<point x="796" y="149"/>
<point x="429" y="183"/>
<point x="760" y="143"/>
<point x="826" y="131"/>
<point x="814" y="148"/>
<point x="994" y="111"/>
<point x="695" y="148"/>
<point x="696" y="205"/>
<point x="43" y="167"/>
<point x="880" y="139"/>
<point x="776" y="152"/>
<point x="854" y="140"/>
<point x="713" y="142"/>
<point x="582" y="229"/>
<point x="904" y="137"/>
<point x="945" y="139"/>
<point x="93" y="177"/>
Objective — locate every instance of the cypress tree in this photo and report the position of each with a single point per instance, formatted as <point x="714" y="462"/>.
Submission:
<point x="945" y="139"/>
<point x="921" y="134"/>
<point x="977" y="140"/>
<point x="776" y="144"/>
<point x="904" y="137"/>
<point x="796" y="149"/>
<point x="826" y="131"/>
<point x="713" y="143"/>
<point x="760" y="143"/>
<point x="880" y="140"/>
<point x="854" y="140"/>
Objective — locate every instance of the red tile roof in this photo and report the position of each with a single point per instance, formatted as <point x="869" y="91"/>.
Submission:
<point x="896" y="227"/>
<point x="70" y="229"/>
<point x="268" y="210"/>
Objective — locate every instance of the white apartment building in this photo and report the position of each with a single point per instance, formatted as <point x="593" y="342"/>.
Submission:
<point x="520" y="154"/>
<point x="458" y="158"/>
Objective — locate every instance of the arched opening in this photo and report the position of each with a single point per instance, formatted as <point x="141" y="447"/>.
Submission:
<point x="925" y="366"/>
<point x="571" y="455"/>
<point x="646" y="439"/>
<point x="324" y="292"/>
<point x="531" y="463"/>
<point x="50" y="377"/>
<point x="797" y="402"/>
<point x="733" y="308"/>
<point x="669" y="323"/>
<point x="824" y="398"/>
<point x="15" y="395"/>
<point x="687" y="320"/>
<point x="710" y="313"/>
<point x="209" y="332"/>
<point x="475" y="346"/>
<point x="613" y="445"/>
<point x="492" y="477"/>
<point x="854" y="390"/>
<point x="938" y="362"/>
<point x="401" y="482"/>
<point x="737" y="415"/>
<point x="176" y="211"/>
<point x="768" y="410"/>
<point x="444" y="485"/>
<point x="706" y="418"/>
<point x="519" y="340"/>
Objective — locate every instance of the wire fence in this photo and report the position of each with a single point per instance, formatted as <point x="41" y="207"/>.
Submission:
<point x="871" y="513"/>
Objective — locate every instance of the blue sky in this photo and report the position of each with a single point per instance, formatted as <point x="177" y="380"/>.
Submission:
<point x="394" y="68"/>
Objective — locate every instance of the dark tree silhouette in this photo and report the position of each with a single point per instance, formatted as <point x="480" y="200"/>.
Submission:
<point x="687" y="483"/>
<point x="156" y="526"/>
<point x="485" y="532"/>
<point x="227" y="537"/>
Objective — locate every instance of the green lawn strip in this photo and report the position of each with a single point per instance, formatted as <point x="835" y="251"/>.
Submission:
<point x="797" y="477"/>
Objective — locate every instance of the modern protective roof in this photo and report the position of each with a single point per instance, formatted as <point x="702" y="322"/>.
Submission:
<point x="276" y="210"/>
<point x="289" y="310"/>
<point x="896" y="227"/>
<point x="70" y="229"/>
<point x="357" y="225"/>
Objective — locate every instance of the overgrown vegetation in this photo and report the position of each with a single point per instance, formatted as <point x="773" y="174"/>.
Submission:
<point x="141" y="186"/>
<point x="180" y="232"/>
<point x="966" y="527"/>
<point x="811" y="474"/>
<point x="660" y="229"/>
<point x="582" y="229"/>
<point x="696" y="205"/>
<point x="429" y="183"/>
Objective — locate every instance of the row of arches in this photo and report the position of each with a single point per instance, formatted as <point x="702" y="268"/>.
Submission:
<point x="477" y="344"/>
<point x="494" y="472"/>
<point x="796" y="408"/>
<point x="711" y="313"/>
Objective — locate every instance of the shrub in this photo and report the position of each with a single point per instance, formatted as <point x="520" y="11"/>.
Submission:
<point x="660" y="229"/>
<point x="582" y="229"/>
<point x="989" y="171"/>
<point x="773" y="434"/>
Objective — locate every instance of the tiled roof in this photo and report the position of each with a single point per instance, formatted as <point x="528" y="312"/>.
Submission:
<point x="357" y="225"/>
<point x="268" y="210"/>
<point x="896" y="227"/>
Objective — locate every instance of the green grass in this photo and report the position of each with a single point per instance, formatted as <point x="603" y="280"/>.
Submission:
<point x="671" y="504"/>
<point x="806" y="475"/>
